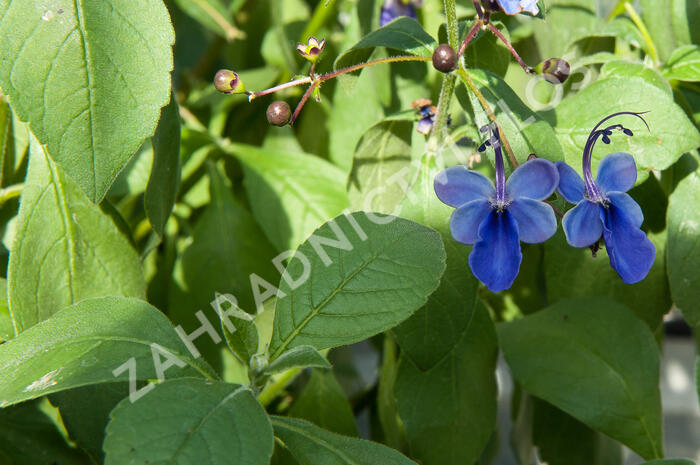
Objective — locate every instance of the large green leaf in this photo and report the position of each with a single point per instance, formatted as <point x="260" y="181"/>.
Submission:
<point x="85" y="343"/>
<point x="526" y="131"/>
<point x="592" y="358"/>
<point x="671" y="23"/>
<point x="291" y="194"/>
<point x="403" y="34"/>
<point x="324" y="403"/>
<point x="189" y="422"/>
<point x="165" y="173"/>
<point x="572" y="272"/>
<point x="671" y="132"/>
<point x="684" y="64"/>
<point x="382" y="153"/>
<point x="65" y="249"/>
<point x="213" y="15"/>
<point x="7" y="331"/>
<point x="683" y="248"/>
<point x="311" y="445"/>
<point x="563" y="440"/>
<point x="371" y="278"/>
<point x="449" y="410"/>
<point x="89" y="77"/>
<point x="85" y="413"/>
<point x="228" y="246"/>
<point x="30" y="437"/>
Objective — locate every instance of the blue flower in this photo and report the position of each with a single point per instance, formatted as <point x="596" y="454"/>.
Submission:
<point x="392" y="9"/>
<point x="512" y="7"/>
<point x="604" y="209"/>
<point x="496" y="219"/>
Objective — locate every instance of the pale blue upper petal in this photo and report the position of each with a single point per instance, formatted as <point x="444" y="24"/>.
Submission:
<point x="571" y="185"/>
<point x="457" y="185"/>
<point x="616" y="172"/>
<point x="582" y="224"/>
<point x="535" y="179"/>
<point x="535" y="219"/>
<point x="465" y="221"/>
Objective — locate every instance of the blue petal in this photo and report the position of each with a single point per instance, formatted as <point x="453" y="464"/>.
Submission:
<point x="535" y="179"/>
<point x="571" y="185"/>
<point x="616" y="172"/>
<point x="457" y="185"/>
<point x="513" y="7"/>
<point x="631" y="252"/>
<point x="582" y="224"/>
<point x="535" y="219"/>
<point x="466" y="220"/>
<point x="626" y="203"/>
<point x="392" y="9"/>
<point x="495" y="259"/>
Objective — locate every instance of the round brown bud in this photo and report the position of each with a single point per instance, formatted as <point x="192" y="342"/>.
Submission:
<point x="279" y="113"/>
<point x="554" y="70"/>
<point x="228" y="82"/>
<point x="444" y="58"/>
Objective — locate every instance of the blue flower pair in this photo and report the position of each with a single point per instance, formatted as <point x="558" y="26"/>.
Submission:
<point x="495" y="219"/>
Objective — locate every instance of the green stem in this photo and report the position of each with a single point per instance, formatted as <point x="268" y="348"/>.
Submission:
<point x="10" y="192"/>
<point x="439" y="131"/>
<point x="271" y="391"/>
<point x="643" y="30"/>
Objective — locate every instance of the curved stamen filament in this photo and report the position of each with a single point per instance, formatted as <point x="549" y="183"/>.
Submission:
<point x="591" y="188"/>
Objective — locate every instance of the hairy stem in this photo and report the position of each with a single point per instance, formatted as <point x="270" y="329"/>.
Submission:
<point x="497" y="33"/>
<point x="468" y="81"/>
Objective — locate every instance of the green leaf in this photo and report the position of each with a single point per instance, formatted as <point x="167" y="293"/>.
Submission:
<point x="567" y="21"/>
<point x="526" y="132"/>
<point x="291" y="194"/>
<point x="85" y="413"/>
<point x="323" y="403"/>
<point x="74" y="71"/>
<point x="242" y="337"/>
<point x="683" y="248"/>
<point x="381" y="155"/>
<point x="593" y="359"/>
<point x="228" y="247"/>
<point x="361" y="104"/>
<point x="671" y="23"/>
<point x="189" y="422"/>
<point x="312" y="445"/>
<point x="165" y="174"/>
<point x="449" y="410"/>
<point x="85" y="343"/>
<point x="563" y="440"/>
<point x="572" y="272"/>
<point x="7" y="331"/>
<point x="684" y="64"/>
<point x="213" y="15"/>
<point x="670" y="462"/>
<point x="625" y="69"/>
<point x="373" y="277"/>
<point x="30" y="437"/>
<point x="297" y="357"/>
<point x="671" y="132"/>
<point x="65" y="249"/>
<point x="403" y="34"/>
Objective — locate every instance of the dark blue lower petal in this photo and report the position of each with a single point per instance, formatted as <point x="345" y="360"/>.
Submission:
<point x="630" y="250"/>
<point x="495" y="259"/>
